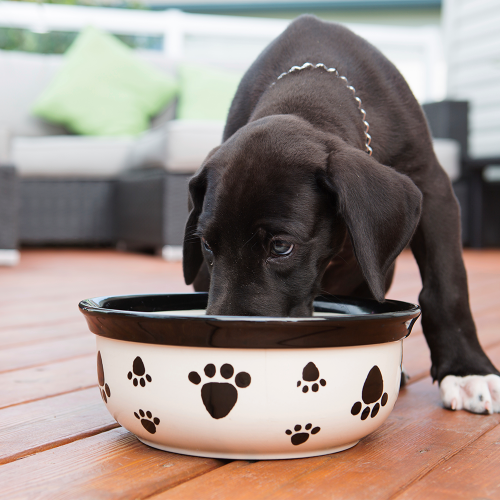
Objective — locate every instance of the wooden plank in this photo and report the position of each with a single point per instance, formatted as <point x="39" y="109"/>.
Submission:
<point x="380" y="457"/>
<point x="19" y="335"/>
<point x="113" y="464"/>
<point x="37" y="316"/>
<point x="472" y="473"/>
<point x="43" y="353"/>
<point x="153" y="280"/>
<point x="416" y="354"/>
<point x="484" y="282"/>
<point x="53" y="314"/>
<point x="416" y="358"/>
<point x="415" y="350"/>
<point x="91" y="273"/>
<point x="85" y="274"/>
<point x="32" y="384"/>
<point x="484" y="302"/>
<point x="33" y="427"/>
<point x="417" y="437"/>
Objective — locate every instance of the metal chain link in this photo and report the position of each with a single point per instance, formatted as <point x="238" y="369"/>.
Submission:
<point x="306" y="65"/>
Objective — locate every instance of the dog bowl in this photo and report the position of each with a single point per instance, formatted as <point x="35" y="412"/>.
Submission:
<point x="248" y="387"/>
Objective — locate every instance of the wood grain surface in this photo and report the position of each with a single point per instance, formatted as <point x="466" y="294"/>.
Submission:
<point x="32" y="427"/>
<point x="57" y="440"/>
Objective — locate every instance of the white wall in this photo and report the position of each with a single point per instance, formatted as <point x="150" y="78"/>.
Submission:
<point x="472" y="51"/>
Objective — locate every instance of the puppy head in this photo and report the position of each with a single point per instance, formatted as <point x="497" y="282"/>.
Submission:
<point x="273" y="205"/>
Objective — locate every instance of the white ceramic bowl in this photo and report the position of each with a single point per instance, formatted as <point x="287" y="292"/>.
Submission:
<point x="248" y="387"/>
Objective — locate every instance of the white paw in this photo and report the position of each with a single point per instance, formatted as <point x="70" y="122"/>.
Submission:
<point x="475" y="393"/>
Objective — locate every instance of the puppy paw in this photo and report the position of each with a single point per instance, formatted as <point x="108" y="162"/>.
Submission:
<point x="474" y="393"/>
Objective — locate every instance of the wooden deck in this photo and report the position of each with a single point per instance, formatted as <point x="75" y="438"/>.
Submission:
<point x="57" y="440"/>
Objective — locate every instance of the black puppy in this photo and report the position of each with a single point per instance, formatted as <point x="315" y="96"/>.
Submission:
<point x="326" y="172"/>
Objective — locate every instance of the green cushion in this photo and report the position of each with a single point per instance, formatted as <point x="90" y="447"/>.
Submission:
<point x="103" y="88"/>
<point x="206" y="93"/>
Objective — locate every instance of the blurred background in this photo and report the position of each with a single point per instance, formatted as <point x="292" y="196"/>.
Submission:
<point x="108" y="107"/>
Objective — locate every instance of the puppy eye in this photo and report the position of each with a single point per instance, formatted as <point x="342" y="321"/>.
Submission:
<point x="281" y="248"/>
<point x="206" y="245"/>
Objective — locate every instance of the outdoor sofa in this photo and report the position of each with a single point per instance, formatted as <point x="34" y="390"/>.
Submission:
<point x="129" y="191"/>
<point x="94" y="190"/>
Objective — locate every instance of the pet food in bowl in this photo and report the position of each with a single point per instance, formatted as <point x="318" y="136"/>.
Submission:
<point x="248" y="387"/>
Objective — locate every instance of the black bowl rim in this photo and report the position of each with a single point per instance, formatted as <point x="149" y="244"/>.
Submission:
<point x="389" y="321"/>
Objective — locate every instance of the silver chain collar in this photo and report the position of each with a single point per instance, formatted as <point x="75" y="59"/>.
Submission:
<point x="350" y="87"/>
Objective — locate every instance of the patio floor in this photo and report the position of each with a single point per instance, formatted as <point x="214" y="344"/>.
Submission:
<point x="57" y="439"/>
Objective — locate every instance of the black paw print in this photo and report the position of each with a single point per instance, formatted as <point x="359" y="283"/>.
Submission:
<point x="310" y="373"/>
<point x="103" y="387"/>
<point x="139" y="370"/>
<point x="301" y="437"/>
<point x="219" y="398"/>
<point x="372" y="390"/>
<point x="148" y="422"/>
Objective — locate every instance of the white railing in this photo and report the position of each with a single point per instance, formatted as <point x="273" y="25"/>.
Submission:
<point x="416" y="51"/>
<point x="172" y="24"/>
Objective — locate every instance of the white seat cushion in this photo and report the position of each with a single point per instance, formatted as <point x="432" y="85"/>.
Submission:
<point x="448" y="155"/>
<point x="70" y="156"/>
<point x="178" y="146"/>
<point x="189" y="142"/>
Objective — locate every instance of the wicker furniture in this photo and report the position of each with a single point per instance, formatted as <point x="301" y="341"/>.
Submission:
<point x="67" y="211"/>
<point x="151" y="198"/>
<point x="83" y="190"/>
<point x="152" y="211"/>
<point x="479" y="199"/>
<point x="9" y="215"/>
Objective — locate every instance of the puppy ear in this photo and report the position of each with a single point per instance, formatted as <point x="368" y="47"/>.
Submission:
<point x="192" y="258"/>
<point x="380" y="206"/>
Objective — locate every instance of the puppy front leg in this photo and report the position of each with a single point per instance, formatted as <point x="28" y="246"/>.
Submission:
<point x="446" y="316"/>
